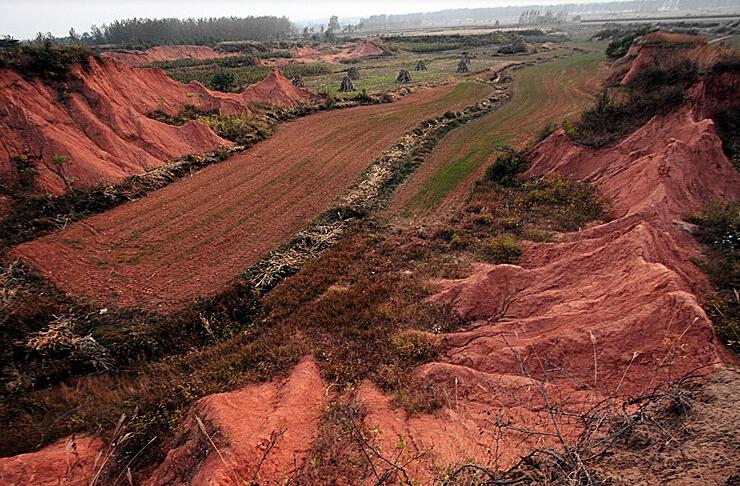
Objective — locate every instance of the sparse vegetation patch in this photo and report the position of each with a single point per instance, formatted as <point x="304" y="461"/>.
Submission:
<point x="619" y="111"/>
<point x="44" y="58"/>
<point x="719" y="230"/>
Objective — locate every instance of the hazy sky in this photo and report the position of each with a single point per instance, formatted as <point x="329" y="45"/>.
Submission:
<point x="24" y="18"/>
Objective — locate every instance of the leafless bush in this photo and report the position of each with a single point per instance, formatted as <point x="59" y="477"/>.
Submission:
<point x="347" y="448"/>
<point x="570" y="458"/>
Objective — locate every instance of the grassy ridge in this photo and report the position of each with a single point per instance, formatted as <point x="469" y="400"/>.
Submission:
<point x="545" y="92"/>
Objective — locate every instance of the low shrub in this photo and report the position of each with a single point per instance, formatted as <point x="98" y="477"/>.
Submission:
<point x="545" y="132"/>
<point x="619" y="46"/>
<point x="502" y="249"/>
<point x="240" y="129"/>
<point x="244" y="75"/>
<point x="223" y="81"/>
<point x="224" y="62"/>
<point x="533" y="209"/>
<point x="363" y="98"/>
<point x="505" y="169"/>
<point x="567" y="203"/>
<point x="728" y="126"/>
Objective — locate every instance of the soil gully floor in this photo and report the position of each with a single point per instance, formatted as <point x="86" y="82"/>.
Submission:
<point x="547" y="92"/>
<point x="192" y="237"/>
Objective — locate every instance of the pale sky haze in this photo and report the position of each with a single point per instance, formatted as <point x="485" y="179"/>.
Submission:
<point x="24" y="18"/>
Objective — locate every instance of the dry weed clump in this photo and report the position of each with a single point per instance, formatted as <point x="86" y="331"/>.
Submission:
<point x="579" y="445"/>
<point x="59" y="340"/>
<point x="346" y="449"/>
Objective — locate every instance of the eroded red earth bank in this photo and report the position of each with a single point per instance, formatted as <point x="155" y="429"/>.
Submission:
<point x="165" y="53"/>
<point x="96" y="129"/>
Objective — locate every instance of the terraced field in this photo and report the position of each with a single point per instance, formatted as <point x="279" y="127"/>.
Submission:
<point x="379" y="75"/>
<point x="547" y="92"/>
<point x="192" y="237"/>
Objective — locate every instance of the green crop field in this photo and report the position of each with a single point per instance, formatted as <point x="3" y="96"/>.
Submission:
<point x="379" y="75"/>
<point x="547" y="92"/>
<point x="243" y="75"/>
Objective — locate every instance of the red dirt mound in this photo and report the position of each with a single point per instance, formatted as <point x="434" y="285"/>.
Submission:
<point x="368" y="48"/>
<point x="165" y="53"/>
<point x="69" y="462"/>
<point x="305" y="51"/>
<point x="284" y="413"/>
<point x="95" y="130"/>
<point x="277" y="90"/>
<point x="364" y="48"/>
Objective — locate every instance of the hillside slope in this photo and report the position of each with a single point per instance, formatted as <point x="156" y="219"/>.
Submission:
<point x="94" y="129"/>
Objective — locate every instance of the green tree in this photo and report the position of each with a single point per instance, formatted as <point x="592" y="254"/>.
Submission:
<point x="334" y="24"/>
<point x="223" y="81"/>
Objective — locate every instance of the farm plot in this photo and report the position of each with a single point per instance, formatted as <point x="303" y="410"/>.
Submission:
<point x="547" y="92"/>
<point x="192" y="237"/>
<point x="379" y="75"/>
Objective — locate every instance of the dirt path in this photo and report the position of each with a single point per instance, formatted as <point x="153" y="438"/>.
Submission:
<point x="191" y="238"/>
<point x="547" y="92"/>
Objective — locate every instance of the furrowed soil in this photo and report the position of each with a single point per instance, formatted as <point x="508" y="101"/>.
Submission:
<point x="191" y="238"/>
<point x="547" y="92"/>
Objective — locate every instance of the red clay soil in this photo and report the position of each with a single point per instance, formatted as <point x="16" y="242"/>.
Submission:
<point x="285" y="413"/>
<point x="363" y="48"/>
<point x="277" y="90"/>
<point x="305" y="51"/>
<point x="68" y="462"/>
<point x="665" y="50"/>
<point x="609" y="311"/>
<point x="192" y="237"/>
<point x="368" y="48"/>
<point x="165" y="53"/>
<point x="100" y="133"/>
<point x="282" y="416"/>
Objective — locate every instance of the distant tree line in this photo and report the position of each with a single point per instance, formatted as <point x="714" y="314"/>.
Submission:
<point x="535" y="17"/>
<point x="513" y="14"/>
<point x="204" y="31"/>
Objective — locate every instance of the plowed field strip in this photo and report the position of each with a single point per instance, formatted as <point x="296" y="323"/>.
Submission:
<point x="551" y="91"/>
<point x="192" y="237"/>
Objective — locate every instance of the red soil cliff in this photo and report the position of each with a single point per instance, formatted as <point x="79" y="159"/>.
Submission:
<point x="69" y="462"/>
<point x="285" y="413"/>
<point x="95" y="129"/>
<point x="665" y="51"/>
<point x="165" y="53"/>
<point x="610" y="310"/>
